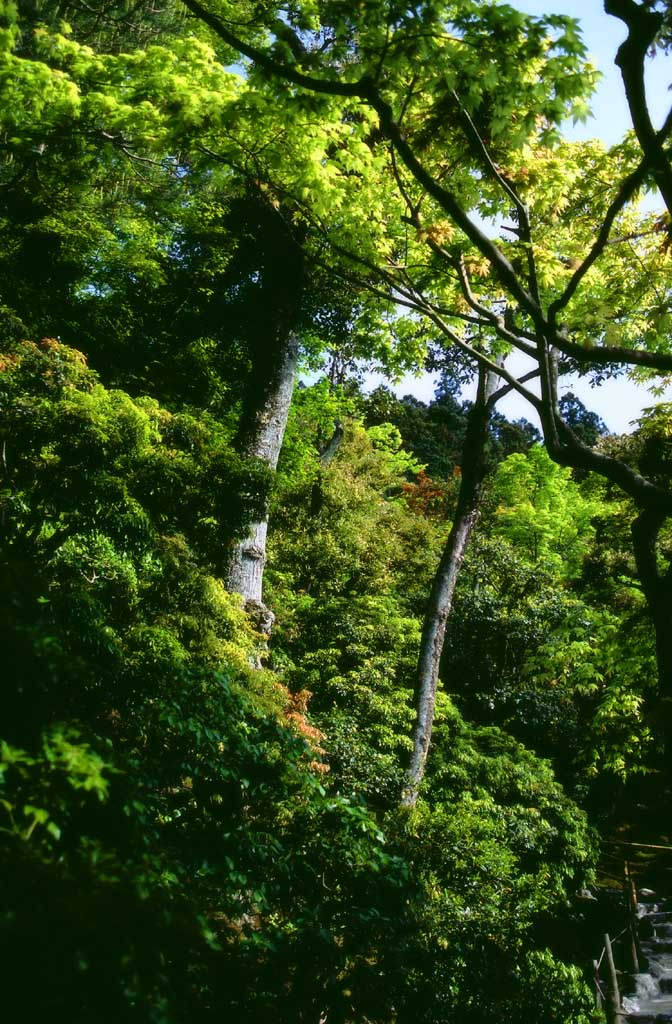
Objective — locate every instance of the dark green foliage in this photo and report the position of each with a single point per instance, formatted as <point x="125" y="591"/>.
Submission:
<point x="154" y="781"/>
<point x="550" y="639"/>
<point x="435" y="432"/>
<point x="152" y="778"/>
<point x="155" y="788"/>
<point x="509" y="437"/>
<point x="186" y="837"/>
<point x="587" y="425"/>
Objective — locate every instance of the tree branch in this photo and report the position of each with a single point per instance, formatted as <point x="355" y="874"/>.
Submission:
<point x="494" y="319"/>
<point x="643" y="26"/>
<point x="604" y="354"/>
<point x="570" y="451"/>
<point x="274" y="67"/>
<point x="627" y="189"/>
<point x="508" y="388"/>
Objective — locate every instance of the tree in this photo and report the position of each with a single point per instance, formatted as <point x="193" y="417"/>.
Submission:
<point x="473" y="469"/>
<point x="587" y="426"/>
<point x="150" y="777"/>
<point x="584" y="278"/>
<point x="273" y="312"/>
<point x="434" y="432"/>
<point x="167" y="222"/>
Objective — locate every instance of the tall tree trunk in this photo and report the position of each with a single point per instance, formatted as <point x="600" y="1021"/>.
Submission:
<point x="262" y="439"/>
<point x="445" y="581"/>
<point x="273" y="316"/>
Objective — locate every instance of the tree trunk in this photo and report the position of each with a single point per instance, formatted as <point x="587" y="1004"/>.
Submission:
<point x="275" y="255"/>
<point x="262" y="438"/>
<point x="657" y="587"/>
<point x="445" y="581"/>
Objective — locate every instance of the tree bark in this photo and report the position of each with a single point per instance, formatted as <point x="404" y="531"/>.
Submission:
<point x="643" y="26"/>
<point x="274" y="353"/>
<point x="263" y="440"/>
<point x="445" y="581"/>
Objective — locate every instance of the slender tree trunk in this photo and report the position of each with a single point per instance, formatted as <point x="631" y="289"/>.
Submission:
<point x="431" y="644"/>
<point x="445" y="581"/>
<point x="327" y="453"/>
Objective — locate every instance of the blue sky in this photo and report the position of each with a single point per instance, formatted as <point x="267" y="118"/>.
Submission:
<point x="603" y="35"/>
<point x="618" y="402"/>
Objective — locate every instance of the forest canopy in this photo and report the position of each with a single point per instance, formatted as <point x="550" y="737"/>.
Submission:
<point x="319" y="703"/>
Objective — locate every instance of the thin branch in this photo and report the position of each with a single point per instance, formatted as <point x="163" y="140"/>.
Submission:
<point x="508" y="388"/>
<point x="494" y="319"/>
<point x="483" y="360"/>
<point x="321" y="85"/>
<point x="474" y="137"/>
<point x="413" y="207"/>
<point x="448" y="202"/>
<point x="524" y="230"/>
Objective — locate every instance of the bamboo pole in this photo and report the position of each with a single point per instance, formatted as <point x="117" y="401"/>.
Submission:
<point x="599" y="1002"/>
<point x="640" y="846"/>
<point x="630" y="893"/>
<point x="614" y="1015"/>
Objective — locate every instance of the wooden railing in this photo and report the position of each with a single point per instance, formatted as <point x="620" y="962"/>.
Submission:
<point x="608" y="996"/>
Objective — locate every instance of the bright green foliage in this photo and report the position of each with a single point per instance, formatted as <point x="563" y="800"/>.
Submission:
<point x="128" y="92"/>
<point x="429" y="63"/>
<point x="82" y="461"/>
<point x="587" y="663"/>
<point x="387" y="440"/>
<point x="434" y="433"/>
<point x="541" y="511"/>
<point x="316" y="410"/>
<point x="521" y="803"/>
<point x="114" y="532"/>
